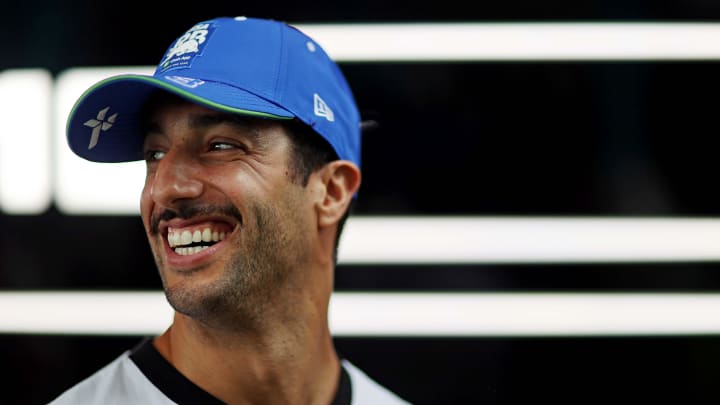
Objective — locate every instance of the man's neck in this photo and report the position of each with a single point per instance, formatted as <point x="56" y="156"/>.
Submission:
<point x="284" y="363"/>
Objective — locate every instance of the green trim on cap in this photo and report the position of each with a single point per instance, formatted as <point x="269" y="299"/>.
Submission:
<point x="179" y="91"/>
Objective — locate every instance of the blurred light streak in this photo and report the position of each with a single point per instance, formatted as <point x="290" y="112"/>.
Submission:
<point x="515" y="239"/>
<point x="25" y="158"/>
<point x="531" y="41"/>
<point x="392" y="314"/>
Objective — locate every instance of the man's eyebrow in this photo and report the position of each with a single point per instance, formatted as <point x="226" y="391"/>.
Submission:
<point x="151" y="127"/>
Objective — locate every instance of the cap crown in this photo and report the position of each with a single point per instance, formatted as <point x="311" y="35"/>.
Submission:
<point x="241" y="65"/>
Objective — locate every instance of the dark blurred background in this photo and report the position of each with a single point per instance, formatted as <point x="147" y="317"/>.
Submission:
<point x="576" y="138"/>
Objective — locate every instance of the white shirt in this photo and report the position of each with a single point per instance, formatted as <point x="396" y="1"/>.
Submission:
<point x="142" y="375"/>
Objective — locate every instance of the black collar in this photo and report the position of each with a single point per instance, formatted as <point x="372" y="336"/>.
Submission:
<point x="183" y="391"/>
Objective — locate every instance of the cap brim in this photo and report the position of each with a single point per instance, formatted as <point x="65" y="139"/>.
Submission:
<point x="104" y="125"/>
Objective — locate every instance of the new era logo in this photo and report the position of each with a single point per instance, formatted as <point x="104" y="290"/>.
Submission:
<point x="322" y="109"/>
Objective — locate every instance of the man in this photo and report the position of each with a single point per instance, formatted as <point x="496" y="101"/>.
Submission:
<point x="252" y="141"/>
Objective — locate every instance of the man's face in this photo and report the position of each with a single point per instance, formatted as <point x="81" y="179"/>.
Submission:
<point x="225" y="221"/>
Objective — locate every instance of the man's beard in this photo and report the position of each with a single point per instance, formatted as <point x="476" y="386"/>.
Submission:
<point x="240" y="297"/>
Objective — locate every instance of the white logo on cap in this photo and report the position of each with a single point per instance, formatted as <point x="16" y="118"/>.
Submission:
<point x="188" y="43"/>
<point x="99" y="124"/>
<point x="322" y="109"/>
<point x="186" y="81"/>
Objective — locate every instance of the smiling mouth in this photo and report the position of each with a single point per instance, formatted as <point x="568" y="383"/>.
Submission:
<point x="189" y="241"/>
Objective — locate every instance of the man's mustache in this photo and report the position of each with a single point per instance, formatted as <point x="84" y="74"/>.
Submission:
<point x="187" y="211"/>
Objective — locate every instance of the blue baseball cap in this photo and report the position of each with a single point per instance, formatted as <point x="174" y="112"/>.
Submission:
<point x="257" y="67"/>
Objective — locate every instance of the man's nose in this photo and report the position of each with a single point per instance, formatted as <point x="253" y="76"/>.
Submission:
<point x="176" y="178"/>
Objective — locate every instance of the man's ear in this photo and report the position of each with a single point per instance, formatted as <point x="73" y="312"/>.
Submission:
<point x="340" y="181"/>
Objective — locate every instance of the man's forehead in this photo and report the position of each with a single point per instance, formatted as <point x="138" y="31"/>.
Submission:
<point x="198" y="117"/>
<point x="161" y="101"/>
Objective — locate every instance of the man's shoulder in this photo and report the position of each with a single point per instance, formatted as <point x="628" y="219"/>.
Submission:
<point x="119" y="382"/>
<point x="122" y="382"/>
<point x="365" y="390"/>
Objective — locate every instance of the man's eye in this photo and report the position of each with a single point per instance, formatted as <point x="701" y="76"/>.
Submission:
<point x="223" y="146"/>
<point x="154" y="155"/>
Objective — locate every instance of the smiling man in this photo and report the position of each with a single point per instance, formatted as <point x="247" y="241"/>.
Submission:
<point x="251" y="137"/>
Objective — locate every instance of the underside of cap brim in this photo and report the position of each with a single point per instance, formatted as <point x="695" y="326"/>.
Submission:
<point x="109" y="112"/>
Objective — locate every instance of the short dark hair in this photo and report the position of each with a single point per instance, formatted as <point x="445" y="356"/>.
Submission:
<point x="309" y="150"/>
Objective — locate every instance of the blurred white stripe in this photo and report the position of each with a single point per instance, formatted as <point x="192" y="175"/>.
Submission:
<point x="391" y="314"/>
<point x="466" y="240"/>
<point x="524" y="314"/>
<point x="93" y="313"/>
<point x="576" y="41"/>
<point x="25" y="158"/>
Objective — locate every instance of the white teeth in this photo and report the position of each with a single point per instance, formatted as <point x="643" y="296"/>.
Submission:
<point x="186" y="237"/>
<point x="186" y="251"/>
